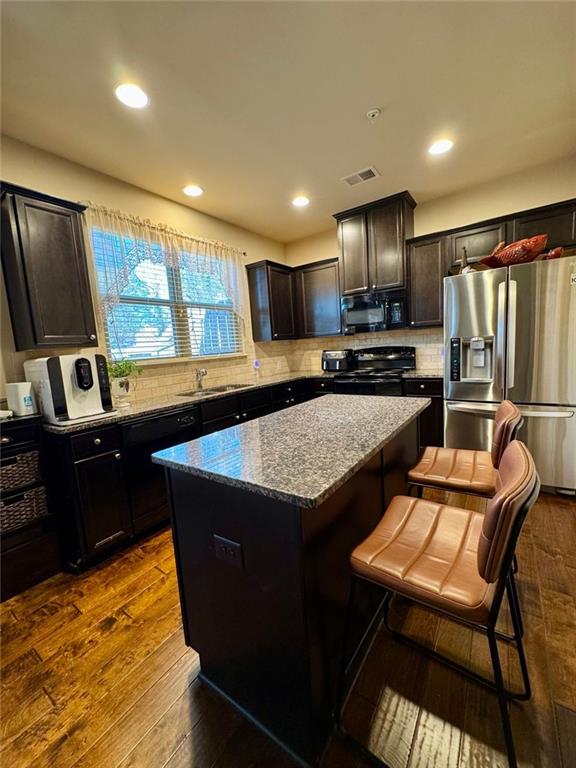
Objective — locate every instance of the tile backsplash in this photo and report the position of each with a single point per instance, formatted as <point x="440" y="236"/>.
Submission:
<point x="276" y="358"/>
<point x="282" y="357"/>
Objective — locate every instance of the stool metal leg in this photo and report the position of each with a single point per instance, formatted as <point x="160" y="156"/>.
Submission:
<point x="502" y="698"/>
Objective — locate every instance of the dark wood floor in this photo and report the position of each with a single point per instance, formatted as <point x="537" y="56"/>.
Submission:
<point x="95" y="674"/>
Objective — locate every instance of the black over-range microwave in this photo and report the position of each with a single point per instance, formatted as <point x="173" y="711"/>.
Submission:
<point x="376" y="311"/>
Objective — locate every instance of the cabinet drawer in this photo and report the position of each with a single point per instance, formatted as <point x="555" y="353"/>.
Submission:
<point x="288" y="390"/>
<point x="323" y="385"/>
<point x="94" y="442"/>
<point x="218" y="409"/>
<point x="255" y="398"/>
<point x="19" y="470"/>
<point x="215" y="425"/>
<point x="424" y="387"/>
<point x="15" y="435"/>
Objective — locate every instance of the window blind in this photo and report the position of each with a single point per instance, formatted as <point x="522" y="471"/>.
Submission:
<point x="159" y="302"/>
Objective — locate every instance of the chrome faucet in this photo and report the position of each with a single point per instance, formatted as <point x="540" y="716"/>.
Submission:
<point x="200" y="373"/>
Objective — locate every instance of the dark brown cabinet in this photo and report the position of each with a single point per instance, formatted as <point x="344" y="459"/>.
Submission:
<point x="557" y="221"/>
<point x="430" y="421"/>
<point x="290" y="303"/>
<point x="427" y="269"/>
<point x="45" y="271"/>
<point x="103" y="499"/>
<point x="271" y="289"/>
<point x="29" y="545"/>
<point x="474" y="243"/>
<point x="318" y="299"/>
<point x="372" y="244"/>
<point x="353" y="241"/>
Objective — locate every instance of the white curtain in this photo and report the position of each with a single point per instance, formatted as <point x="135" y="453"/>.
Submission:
<point x="141" y="240"/>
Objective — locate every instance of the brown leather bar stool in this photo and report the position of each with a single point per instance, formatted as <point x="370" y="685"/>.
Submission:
<point x="465" y="471"/>
<point x="456" y="562"/>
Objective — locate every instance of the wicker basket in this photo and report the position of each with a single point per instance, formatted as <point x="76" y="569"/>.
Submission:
<point x="22" y="508"/>
<point x="19" y="471"/>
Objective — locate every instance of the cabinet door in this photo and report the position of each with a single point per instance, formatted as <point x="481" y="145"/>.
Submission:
<point x="354" y="254"/>
<point x="427" y="270"/>
<point x="475" y="243"/>
<point x="318" y="299"/>
<point x="386" y="247"/>
<point x="56" y="275"/>
<point x="103" y="502"/>
<point x="558" y="223"/>
<point x="282" y="316"/>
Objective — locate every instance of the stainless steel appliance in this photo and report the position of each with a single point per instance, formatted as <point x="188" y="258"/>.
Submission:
<point x="377" y="371"/>
<point x="337" y="360"/>
<point x="376" y="311"/>
<point x="71" y="388"/>
<point x="511" y="333"/>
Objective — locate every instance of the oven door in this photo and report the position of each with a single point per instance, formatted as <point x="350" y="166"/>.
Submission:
<point x="363" y="313"/>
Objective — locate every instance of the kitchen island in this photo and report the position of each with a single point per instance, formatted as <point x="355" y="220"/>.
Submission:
<point x="265" y="516"/>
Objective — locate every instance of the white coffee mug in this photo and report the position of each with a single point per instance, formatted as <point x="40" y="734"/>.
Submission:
<point x="21" y="400"/>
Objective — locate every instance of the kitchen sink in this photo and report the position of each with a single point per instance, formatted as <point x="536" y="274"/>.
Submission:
<point x="213" y="390"/>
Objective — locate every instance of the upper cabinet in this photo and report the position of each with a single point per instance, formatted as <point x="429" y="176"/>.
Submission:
<point x="474" y="243"/>
<point x="372" y="244"/>
<point x="427" y="268"/>
<point x="45" y="271"/>
<point x="557" y="221"/>
<point x="272" y="303"/>
<point x="318" y="299"/>
<point x="287" y="303"/>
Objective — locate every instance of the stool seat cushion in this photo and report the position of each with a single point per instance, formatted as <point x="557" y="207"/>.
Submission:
<point x="429" y="553"/>
<point x="456" y="469"/>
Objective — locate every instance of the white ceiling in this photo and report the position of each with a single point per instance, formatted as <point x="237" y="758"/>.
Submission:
<point x="258" y="102"/>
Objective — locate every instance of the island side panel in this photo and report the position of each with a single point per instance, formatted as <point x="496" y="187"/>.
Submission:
<point x="245" y="617"/>
<point x="329" y="534"/>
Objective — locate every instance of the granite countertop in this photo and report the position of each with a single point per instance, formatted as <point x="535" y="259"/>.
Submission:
<point x="300" y="455"/>
<point x="173" y="402"/>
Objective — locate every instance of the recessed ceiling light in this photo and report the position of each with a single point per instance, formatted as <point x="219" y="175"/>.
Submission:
<point x="131" y="95"/>
<point x="193" y="190"/>
<point x="300" y="201"/>
<point x="440" y="146"/>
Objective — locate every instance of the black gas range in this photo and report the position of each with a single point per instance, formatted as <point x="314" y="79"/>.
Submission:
<point x="376" y="371"/>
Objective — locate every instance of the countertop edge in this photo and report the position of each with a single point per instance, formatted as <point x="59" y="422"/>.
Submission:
<point x="300" y="501"/>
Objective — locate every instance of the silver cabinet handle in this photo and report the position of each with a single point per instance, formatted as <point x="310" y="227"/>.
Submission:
<point x="237" y="416"/>
<point x="4" y="440"/>
<point x="244" y="415"/>
<point x="97" y="441"/>
<point x="421" y="386"/>
<point x="512" y="298"/>
<point x="92" y="337"/>
<point x="275" y="335"/>
<point x="117" y="456"/>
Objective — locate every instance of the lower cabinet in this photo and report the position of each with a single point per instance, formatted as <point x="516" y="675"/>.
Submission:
<point x="103" y="486"/>
<point x="103" y="502"/>
<point x="430" y="421"/>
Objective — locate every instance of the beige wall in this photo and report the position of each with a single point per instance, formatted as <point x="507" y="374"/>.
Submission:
<point x="33" y="168"/>
<point x="544" y="184"/>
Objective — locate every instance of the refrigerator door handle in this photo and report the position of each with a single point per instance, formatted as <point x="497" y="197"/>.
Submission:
<point x="512" y="297"/>
<point x="547" y="414"/>
<point x="500" y="338"/>
<point x="479" y="409"/>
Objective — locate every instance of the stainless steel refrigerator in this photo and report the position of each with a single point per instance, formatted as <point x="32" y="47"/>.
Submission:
<point x="511" y="333"/>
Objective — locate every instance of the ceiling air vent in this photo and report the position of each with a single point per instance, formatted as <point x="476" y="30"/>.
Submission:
<point x="361" y="176"/>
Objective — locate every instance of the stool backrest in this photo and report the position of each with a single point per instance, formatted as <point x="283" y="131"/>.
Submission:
<point x="507" y="421"/>
<point x="517" y="487"/>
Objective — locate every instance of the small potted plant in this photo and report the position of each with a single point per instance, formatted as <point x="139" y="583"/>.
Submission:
<point x="120" y="372"/>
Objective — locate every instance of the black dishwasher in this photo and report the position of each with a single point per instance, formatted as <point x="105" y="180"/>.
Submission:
<point x="146" y="484"/>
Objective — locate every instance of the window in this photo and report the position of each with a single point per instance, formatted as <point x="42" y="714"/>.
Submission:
<point x="159" y="303"/>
